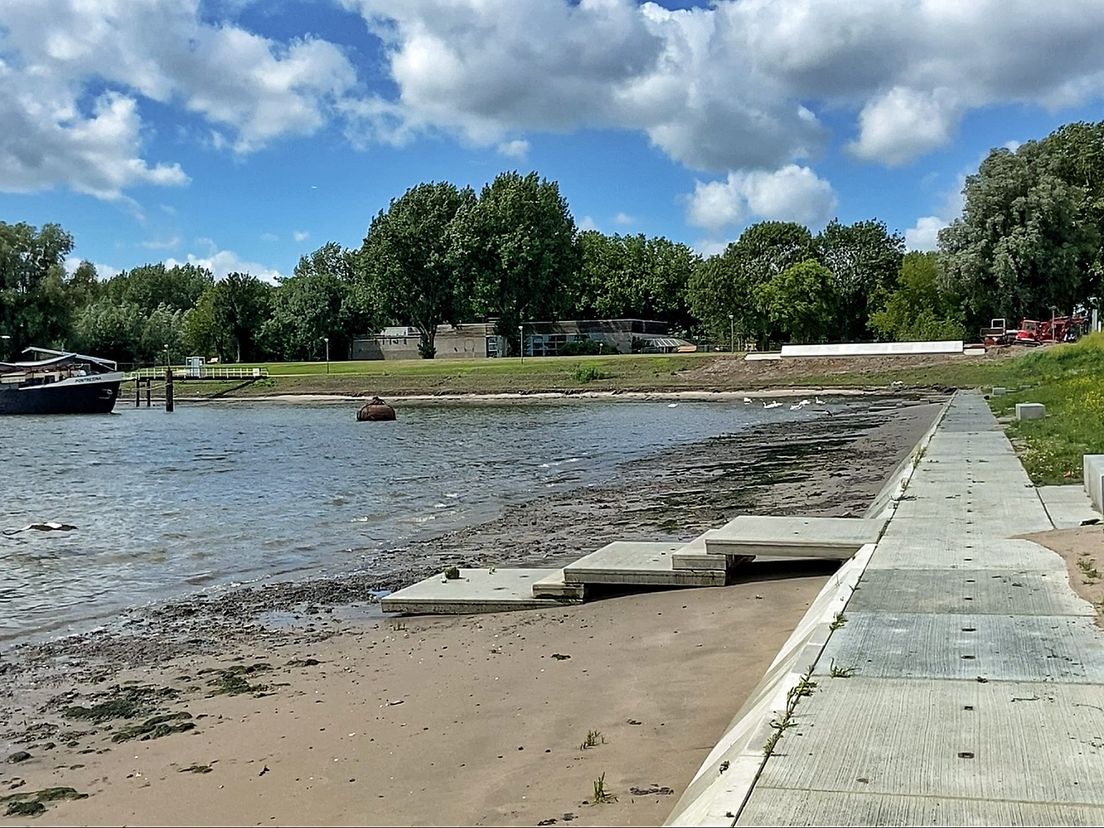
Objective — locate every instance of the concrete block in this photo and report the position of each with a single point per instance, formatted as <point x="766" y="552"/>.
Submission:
<point x="999" y="391"/>
<point x="1094" y="479"/>
<point x="1030" y="411"/>
<point x="476" y="590"/>
<point x="638" y="563"/>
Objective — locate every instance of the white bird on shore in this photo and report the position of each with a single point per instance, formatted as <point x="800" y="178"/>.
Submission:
<point x="772" y="405"/>
<point x="796" y="407"/>
<point x="803" y="403"/>
<point x="747" y="400"/>
<point x="818" y="400"/>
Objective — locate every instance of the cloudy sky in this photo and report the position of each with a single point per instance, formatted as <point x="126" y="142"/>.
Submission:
<point x="242" y="135"/>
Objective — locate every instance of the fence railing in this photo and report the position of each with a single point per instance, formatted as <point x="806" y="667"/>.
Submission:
<point x="212" y="372"/>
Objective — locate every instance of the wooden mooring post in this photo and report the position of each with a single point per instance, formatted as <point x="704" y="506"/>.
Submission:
<point x="168" y="390"/>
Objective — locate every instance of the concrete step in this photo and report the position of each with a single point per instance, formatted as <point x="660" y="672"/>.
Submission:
<point x="554" y="586"/>
<point x="695" y="556"/>
<point x="476" y="590"/>
<point x="833" y="538"/>
<point x="638" y="563"/>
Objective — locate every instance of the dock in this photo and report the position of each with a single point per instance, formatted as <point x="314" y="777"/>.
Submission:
<point x="948" y="675"/>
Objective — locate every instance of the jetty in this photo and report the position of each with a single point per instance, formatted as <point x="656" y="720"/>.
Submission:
<point x="947" y="675"/>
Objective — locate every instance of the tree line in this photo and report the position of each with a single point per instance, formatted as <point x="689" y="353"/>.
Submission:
<point x="1029" y="239"/>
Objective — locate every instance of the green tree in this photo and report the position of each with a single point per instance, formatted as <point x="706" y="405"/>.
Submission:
<point x="723" y="291"/>
<point x="632" y="277"/>
<point x="240" y="306"/>
<point x="516" y="250"/>
<point x="162" y="335"/>
<point x="864" y="259"/>
<point x="152" y="285"/>
<point x="1030" y="236"/>
<point x="34" y="308"/>
<point x="201" y="333"/>
<point x="407" y="264"/>
<point x="318" y="302"/>
<point x="800" y="301"/>
<point x="110" y="329"/>
<point x="920" y="307"/>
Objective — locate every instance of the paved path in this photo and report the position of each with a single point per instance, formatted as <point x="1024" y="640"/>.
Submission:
<point x="977" y="694"/>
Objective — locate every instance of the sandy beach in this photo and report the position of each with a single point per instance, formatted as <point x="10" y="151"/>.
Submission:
<point x="208" y="712"/>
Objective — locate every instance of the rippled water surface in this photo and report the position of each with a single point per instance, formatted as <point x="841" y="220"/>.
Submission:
<point x="169" y="503"/>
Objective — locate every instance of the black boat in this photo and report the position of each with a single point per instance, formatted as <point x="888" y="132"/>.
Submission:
<point x="59" y="383"/>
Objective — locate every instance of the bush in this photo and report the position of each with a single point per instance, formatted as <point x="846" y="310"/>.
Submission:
<point x="584" y="347"/>
<point x="589" y="373"/>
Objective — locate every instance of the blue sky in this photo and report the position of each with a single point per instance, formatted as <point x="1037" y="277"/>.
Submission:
<point x="242" y="135"/>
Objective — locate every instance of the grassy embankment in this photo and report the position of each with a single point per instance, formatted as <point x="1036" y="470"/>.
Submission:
<point x="1068" y="379"/>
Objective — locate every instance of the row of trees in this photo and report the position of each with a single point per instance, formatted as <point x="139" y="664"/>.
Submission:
<point x="1030" y="238"/>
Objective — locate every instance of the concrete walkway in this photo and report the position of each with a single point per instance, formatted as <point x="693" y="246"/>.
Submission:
<point x="969" y="682"/>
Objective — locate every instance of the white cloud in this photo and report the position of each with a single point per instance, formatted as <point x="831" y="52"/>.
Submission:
<point x="624" y="219"/>
<point x="710" y="247"/>
<point x="924" y="235"/>
<point x="269" y="237"/>
<point x="586" y="223"/>
<point x="162" y="244"/>
<point x="300" y="235"/>
<point x="517" y="148"/>
<point x="725" y="87"/>
<point x="103" y="271"/>
<point x="61" y="127"/>
<point x="223" y="262"/>
<point x="903" y="124"/>
<point x="792" y="193"/>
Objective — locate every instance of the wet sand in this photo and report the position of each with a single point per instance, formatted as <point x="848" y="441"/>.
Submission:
<point x="333" y="716"/>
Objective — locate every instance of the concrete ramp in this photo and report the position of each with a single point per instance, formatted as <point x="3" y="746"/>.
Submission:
<point x="476" y="590"/>
<point x="634" y="563"/>
<point x="797" y="537"/>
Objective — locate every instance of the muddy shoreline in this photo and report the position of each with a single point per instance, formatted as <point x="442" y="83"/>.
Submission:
<point x="833" y="466"/>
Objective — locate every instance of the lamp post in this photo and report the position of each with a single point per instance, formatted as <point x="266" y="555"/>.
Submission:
<point x="731" y="334"/>
<point x="326" y="339"/>
<point x="521" y="341"/>
<point x="166" y="356"/>
<point x="1053" y="311"/>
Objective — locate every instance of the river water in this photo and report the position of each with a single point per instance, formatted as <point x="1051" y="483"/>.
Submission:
<point x="209" y="496"/>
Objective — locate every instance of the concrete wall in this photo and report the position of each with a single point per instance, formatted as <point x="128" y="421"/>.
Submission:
<point x="872" y="349"/>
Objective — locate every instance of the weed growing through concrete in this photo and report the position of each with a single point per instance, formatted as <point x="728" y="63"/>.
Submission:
<point x="593" y="739"/>
<point x="835" y="671"/>
<point x="838" y="622"/>
<point x="804" y="687"/>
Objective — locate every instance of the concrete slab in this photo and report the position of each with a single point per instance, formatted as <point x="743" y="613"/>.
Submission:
<point x="1042" y="648"/>
<point x="968" y="592"/>
<point x="553" y="585"/>
<point x="835" y="538"/>
<point x="848" y="809"/>
<point x="638" y="563"/>
<point x="1068" y="506"/>
<point x="997" y="741"/>
<point x="929" y="547"/>
<point x="476" y="590"/>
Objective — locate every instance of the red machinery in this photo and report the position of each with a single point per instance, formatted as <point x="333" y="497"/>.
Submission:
<point x="1032" y="332"/>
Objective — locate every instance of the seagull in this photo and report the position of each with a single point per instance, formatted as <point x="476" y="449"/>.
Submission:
<point x="747" y="400"/>
<point x="772" y="405"/>
<point x="48" y="526"/>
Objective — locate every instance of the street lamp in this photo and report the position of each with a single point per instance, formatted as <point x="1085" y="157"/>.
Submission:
<point x="326" y="339"/>
<point x="166" y="356"/>
<point x="731" y="334"/>
<point x="521" y="341"/>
